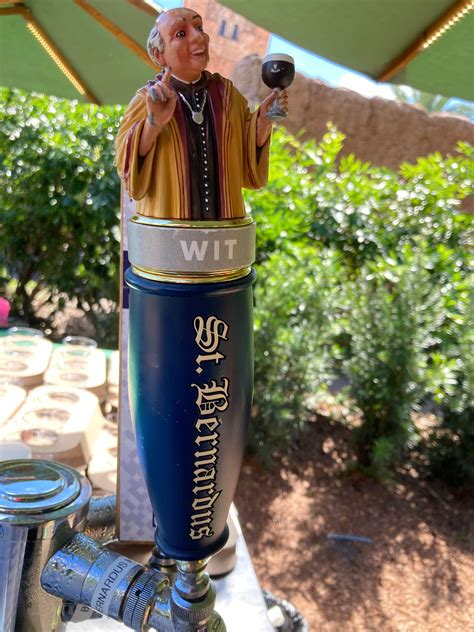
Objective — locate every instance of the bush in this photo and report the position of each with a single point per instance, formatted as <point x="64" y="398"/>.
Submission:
<point x="380" y="223"/>
<point x="392" y="321"/>
<point x="284" y="210"/>
<point x="59" y="195"/>
<point x="293" y="298"/>
<point x="451" y="445"/>
<point x="317" y="197"/>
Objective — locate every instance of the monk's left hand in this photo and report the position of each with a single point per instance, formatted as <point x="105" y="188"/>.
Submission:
<point x="267" y="103"/>
<point x="264" y="125"/>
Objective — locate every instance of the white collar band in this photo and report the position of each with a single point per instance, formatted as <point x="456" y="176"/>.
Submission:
<point x="188" y="82"/>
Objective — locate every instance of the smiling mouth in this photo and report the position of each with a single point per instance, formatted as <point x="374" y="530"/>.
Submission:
<point x="199" y="53"/>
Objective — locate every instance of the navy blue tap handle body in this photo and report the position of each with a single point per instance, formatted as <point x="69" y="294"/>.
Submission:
<point x="190" y="387"/>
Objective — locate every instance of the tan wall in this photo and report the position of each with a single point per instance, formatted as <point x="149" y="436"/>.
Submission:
<point x="225" y="52"/>
<point x="378" y="130"/>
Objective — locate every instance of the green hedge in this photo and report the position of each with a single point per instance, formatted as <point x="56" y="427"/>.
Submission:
<point x="397" y="301"/>
<point x="59" y="200"/>
<point x="293" y="304"/>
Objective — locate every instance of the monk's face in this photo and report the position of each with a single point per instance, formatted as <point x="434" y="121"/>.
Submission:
<point x="186" y="45"/>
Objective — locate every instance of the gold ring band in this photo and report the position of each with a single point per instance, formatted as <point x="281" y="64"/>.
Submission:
<point x="186" y="277"/>
<point x="184" y="223"/>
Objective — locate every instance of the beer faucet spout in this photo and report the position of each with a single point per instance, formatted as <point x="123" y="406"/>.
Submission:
<point x="55" y="574"/>
<point x="140" y="597"/>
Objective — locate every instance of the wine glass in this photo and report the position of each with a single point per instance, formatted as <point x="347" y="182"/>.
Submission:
<point x="278" y="72"/>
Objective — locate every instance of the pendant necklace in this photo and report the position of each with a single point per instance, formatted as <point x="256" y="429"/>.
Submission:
<point x="198" y="116"/>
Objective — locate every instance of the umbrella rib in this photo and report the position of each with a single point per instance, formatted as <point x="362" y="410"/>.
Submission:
<point x="117" y="32"/>
<point x="16" y="10"/>
<point x="440" y="26"/>
<point x="143" y="5"/>
<point x="53" y="51"/>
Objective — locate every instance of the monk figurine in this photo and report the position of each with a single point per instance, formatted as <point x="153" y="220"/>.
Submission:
<point x="188" y="143"/>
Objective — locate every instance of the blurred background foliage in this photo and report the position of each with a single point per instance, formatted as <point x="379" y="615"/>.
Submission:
<point x="364" y="277"/>
<point x="60" y="206"/>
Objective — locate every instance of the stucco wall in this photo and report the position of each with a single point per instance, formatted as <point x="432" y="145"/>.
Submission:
<point x="381" y="131"/>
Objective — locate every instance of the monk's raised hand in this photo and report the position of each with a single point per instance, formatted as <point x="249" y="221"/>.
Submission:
<point x="161" y="101"/>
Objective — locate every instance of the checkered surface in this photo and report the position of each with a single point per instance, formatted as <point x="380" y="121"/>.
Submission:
<point x="135" y="522"/>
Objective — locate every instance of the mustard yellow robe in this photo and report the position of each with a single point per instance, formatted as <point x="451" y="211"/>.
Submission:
<point x="162" y="188"/>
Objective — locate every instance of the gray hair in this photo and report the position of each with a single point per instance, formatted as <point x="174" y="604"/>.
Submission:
<point x="155" y="41"/>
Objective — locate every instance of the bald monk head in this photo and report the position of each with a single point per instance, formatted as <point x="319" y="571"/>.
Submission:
<point x="178" y="41"/>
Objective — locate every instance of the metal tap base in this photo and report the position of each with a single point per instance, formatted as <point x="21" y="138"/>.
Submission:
<point x="142" y="598"/>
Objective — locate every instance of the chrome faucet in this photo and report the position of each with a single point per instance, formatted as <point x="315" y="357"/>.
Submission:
<point x="49" y="569"/>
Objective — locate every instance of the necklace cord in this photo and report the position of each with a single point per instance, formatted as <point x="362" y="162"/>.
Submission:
<point x="196" y="114"/>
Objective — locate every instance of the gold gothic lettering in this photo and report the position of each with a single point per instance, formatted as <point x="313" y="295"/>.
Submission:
<point x="211" y="398"/>
<point x="208" y="335"/>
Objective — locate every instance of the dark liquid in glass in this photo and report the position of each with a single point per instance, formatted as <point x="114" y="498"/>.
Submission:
<point x="278" y="74"/>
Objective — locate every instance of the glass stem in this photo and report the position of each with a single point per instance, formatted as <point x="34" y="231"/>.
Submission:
<point x="276" y="104"/>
